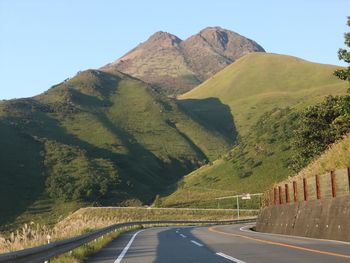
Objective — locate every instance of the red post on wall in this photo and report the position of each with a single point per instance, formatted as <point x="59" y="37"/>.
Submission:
<point x="333" y="183"/>
<point x="306" y="194"/>
<point x="280" y="194"/>
<point x="267" y="199"/>
<point x="286" y="190"/>
<point x="349" y="177"/>
<point x="295" y="191"/>
<point x="272" y="197"/>
<point x="275" y="196"/>
<point x="318" y="188"/>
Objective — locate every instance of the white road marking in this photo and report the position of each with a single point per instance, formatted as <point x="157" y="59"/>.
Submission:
<point x="183" y="235"/>
<point x="244" y="228"/>
<point x="119" y="259"/>
<point x="229" y="257"/>
<point x="196" y="243"/>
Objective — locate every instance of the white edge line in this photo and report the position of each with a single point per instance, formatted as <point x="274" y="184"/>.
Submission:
<point x="183" y="235"/>
<point x="196" y="243"/>
<point x="244" y="229"/>
<point x="229" y="257"/>
<point x="119" y="259"/>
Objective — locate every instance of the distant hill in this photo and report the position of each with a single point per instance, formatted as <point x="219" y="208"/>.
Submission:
<point x="259" y="82"/>
<point x="176" y="66"/>
<point x="100" y="138"/>
<point x="265" y="93"/>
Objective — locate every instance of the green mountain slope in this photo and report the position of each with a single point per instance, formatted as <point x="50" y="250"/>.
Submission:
<point x="265" y="93"/>
<point x="103" y="138"/>
<point x="259" y="82"/>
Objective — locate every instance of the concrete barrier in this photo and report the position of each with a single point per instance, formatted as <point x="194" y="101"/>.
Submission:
<point x="326" y="218"/>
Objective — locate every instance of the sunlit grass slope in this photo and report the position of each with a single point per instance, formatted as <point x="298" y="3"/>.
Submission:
<point x="334" y="158"/>
<point x="259" y="82"/>
<point x="264" y="93"/>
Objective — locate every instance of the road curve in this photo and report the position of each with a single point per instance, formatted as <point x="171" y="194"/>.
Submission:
<point x="229" y="243"/>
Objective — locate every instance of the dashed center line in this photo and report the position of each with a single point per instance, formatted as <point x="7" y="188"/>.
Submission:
<point x="229" y="257"/>
<point x="183" y="235"/>
<point x="196" y="243"/>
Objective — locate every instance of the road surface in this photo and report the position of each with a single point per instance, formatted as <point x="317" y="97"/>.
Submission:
<point x="219" y="244"/>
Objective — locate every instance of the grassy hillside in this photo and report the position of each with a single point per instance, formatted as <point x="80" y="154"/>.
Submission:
<point x="259" y="82"/>
<point x="334" y="158"/>
<point x="105" y="138"/>
<point x="265" y="93"/>
<point x="99" y="138"/>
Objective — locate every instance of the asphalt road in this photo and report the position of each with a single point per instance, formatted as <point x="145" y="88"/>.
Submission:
<point x="220" y="244"/>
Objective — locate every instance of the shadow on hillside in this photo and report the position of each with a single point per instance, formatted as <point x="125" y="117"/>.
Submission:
<point x="196" y="149"/>
<point x="21" y="180"/>
<point x="22" y="177"/>
<point x="212" y="114"/>
<point x="143" y="173"/>
<point x="159" y="172"/>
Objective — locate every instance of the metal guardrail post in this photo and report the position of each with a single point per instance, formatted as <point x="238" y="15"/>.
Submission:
<point x="280" y="195"/>
<point x="286" y="190"/>
<point x="333" y="183"/>
<point x="318" y="188"/>
<point x="295" y="191"/>
<point x="349" y="177"/>
<point x="306" y="194"/>
<point x="275" y="196"/>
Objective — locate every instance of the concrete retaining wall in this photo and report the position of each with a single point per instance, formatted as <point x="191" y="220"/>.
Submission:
<point x="327" y="219"/>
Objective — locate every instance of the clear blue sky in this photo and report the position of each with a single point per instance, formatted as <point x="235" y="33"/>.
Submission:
<point x="43" y="42"/>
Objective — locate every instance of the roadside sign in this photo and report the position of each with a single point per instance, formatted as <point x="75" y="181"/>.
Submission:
<point x="246" y="197"/>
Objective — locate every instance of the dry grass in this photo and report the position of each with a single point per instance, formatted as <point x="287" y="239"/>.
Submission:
<point x="28" y="236"/>
<point x="86" y="219"/>
<point x="83" y="252"/>
<point x="336" y="157"/>
<point x="96" y="217"/>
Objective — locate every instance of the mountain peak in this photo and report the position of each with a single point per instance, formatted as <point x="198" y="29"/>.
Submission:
<point x="216" y="36"/>
<point x="164" y="39"/>
<point x="212" y="28"/>
<point x="176" y="65"/>
<point x="227" y="41"/>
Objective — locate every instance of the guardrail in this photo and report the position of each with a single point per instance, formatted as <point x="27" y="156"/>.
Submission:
<point x="296" y="189"/>
<point x="45" y="252"/>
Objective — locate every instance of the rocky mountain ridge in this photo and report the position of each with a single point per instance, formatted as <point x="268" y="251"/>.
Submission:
<point x="176" y="66"/>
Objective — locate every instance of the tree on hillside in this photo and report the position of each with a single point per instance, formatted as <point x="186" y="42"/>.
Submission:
<point x="344" y="74"/>
<point x="324" y="123"/>
<point x="319" y="126"/>
<point x="344" y="54"/>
